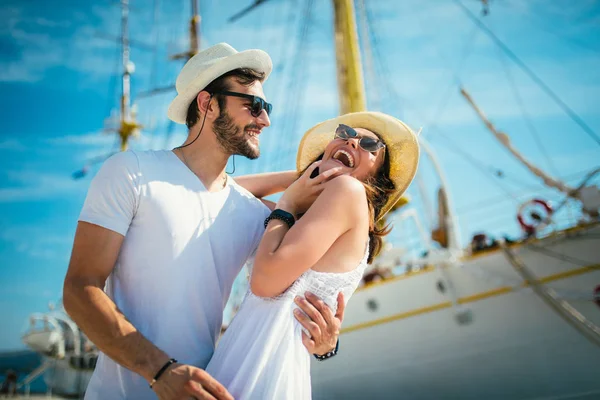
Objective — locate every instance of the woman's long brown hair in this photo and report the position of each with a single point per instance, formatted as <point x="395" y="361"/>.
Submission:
<point x="378" y="189"/>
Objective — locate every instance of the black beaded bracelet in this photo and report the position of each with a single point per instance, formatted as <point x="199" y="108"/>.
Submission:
<point x="281" y="215"/>
<point x="162" y="371"/>
<point x="329" y="354"/>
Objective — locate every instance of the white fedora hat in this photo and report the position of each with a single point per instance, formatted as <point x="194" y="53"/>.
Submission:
<point x="208" y="65"/>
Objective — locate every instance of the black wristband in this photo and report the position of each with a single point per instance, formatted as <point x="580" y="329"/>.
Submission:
<point x="281" y="215"/>
<point x="162" y="371"/>
<point x="329" y="354"/>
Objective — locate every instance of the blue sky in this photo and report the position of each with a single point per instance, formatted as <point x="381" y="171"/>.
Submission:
<point x="59" y="83"/>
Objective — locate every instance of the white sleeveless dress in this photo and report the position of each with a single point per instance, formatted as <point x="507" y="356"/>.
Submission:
<point x="261" y="355"/>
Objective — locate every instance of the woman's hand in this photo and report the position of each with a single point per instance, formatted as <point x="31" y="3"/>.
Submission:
<point x="300" y="195"/>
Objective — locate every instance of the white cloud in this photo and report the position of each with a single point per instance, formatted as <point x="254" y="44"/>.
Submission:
<point x="35" y="186"/>
<point x="12" y="144"/>
<point x="51" y="24"/>
<point x="32" y="289"/>
<point x="14" y="73"/>
<point x="88" y="139"/>
<point x="93" y="147"/>
<point x="41" y="50"/>
<point x="36" y="241"/>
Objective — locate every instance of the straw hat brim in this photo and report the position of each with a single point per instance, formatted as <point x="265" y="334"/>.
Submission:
<point x="254" y="59"/>
<point x="402" y="146"/>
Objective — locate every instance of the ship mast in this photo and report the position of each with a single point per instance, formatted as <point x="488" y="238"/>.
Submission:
<point x="350" y="79"/>
<point x="127" y="125"/>
<point x="194" y="36"/>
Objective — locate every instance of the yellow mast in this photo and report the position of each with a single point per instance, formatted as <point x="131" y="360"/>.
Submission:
<point x="349" y="72"/>
<point x="351" y="85"/>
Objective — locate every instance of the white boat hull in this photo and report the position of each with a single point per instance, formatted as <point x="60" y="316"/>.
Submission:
<point x="515" y="347"/>
<point x="62" y="379"/>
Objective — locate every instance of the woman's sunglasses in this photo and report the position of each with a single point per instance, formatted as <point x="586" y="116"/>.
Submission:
<point x="258" y="104"/>
<point x="365" y="142"/>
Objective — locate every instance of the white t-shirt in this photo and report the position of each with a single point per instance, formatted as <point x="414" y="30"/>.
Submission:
<point x="183" y="248"/>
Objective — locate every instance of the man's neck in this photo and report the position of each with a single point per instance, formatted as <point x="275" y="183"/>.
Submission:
<point x="206" y="160"/>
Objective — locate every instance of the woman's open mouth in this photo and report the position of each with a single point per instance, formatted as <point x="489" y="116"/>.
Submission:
<point x="344" y="157"/>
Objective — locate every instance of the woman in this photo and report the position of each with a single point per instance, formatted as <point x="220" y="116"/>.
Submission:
<point x="372" y="158"/>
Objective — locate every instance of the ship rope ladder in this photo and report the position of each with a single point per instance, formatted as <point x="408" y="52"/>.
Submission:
<point x="573" y="317"/>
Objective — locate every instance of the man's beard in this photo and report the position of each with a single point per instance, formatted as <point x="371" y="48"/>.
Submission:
<point x="230" y="138"/>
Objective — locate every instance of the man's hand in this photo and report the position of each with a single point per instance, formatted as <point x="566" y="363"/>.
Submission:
<point x="322" y="324"/>
<point x="182" y="381"/>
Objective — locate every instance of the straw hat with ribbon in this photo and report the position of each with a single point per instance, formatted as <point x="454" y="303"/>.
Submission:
<point x="402" y="147"/>
<point x="208" y="65"/>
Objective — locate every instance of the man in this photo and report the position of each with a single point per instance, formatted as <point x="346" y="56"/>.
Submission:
<point x="163" y="234"/>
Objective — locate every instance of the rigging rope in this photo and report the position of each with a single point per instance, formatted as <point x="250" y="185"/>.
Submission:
<point x="478" y="165"/>
<point x="155" y="26"/>
<point x="285" y="50"/>
<point x="372" y="83"/>
<point x="379" y="64"/>
<point x="399" y="99"/>
<point x="549" y="296"/>
<point x="154" y="65"/>
<point x="494" y="200"/>
<point x="530" y="73"/>
<point x="526" y="117"/>
<point x="559" y="256"/>
<point x="300" y="66"/>
<point x="446" y="96"/>
<point x="538" y="24"/>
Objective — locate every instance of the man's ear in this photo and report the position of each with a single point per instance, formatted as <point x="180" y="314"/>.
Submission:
<point x="206" y="105"/>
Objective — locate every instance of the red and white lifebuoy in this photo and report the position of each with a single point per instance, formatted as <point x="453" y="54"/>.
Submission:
<point x="531" y="227"/>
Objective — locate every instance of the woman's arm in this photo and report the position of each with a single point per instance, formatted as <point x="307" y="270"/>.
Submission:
<point x="262" y="185"/>
<point x="285" y="254"/>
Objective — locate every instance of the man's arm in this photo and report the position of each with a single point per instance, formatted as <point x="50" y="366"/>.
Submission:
<point x="94" y="255"/>
<point x="93" y="258"/>
<point x="265" y="184"/>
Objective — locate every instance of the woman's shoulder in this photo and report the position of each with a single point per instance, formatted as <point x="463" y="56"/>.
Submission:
<point x="349" y="191"/>
<point x="347" y="185"/>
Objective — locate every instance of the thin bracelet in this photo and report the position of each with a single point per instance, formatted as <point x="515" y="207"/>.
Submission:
<point x="162" y="371"/>
<point x="329" y="354"/>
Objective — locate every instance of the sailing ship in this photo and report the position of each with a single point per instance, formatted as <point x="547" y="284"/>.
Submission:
<point x="493" y="320"/>
<point x="496" y="319"/>
<point x="68" y="356"/>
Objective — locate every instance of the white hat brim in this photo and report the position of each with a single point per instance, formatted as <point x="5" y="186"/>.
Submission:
<point x="254" y="59"/>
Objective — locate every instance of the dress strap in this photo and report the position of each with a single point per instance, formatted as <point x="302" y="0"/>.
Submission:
<point x="363" y="262"/>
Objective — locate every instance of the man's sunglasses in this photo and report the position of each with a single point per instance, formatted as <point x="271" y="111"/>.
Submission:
<point x="365" y="142"/>
<point x="258" y="104"/>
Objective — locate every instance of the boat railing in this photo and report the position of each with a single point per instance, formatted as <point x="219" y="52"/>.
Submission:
<point x="32" y="376"/>
<point x="417" y="253"/>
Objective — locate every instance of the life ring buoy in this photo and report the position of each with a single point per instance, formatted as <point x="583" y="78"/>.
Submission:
<point x="530" y="228"/>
